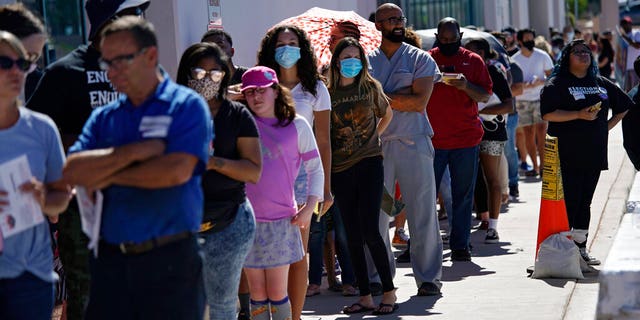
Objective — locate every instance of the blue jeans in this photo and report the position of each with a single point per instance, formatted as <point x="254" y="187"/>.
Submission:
<point x="316" y="241"/>
<point x="510" y="149"/>
<point x="26" y="297"/>
<point x="445" y="193"/>
<point x="164" y="283"/>
<point x="224" y="255"/>
<point x="463" y="166"/>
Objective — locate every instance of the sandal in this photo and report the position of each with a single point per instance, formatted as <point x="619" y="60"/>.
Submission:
<point x="356" y="308"/>
<point x="349" y="291"/>
<point x="392" y="309"/>
<point x="313" y="290"/>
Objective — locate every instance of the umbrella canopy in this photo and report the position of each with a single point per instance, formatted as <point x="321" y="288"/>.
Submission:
<point x="318" y="23"/>
<point x="429" y="40"/>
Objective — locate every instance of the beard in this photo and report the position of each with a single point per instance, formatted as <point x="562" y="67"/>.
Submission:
<point x="393" y="37"/>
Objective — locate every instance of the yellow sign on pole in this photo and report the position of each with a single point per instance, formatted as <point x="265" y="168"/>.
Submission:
<point x="551" y="174"/>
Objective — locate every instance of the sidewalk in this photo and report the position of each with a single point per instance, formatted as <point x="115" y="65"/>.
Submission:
<point x="494" y="285"/>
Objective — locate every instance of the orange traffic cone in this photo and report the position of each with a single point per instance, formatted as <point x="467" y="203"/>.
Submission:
<point x="553" y="212"/>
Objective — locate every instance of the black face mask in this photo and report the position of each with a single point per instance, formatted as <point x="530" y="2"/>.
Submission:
<point x="529" y="44"/>
<point x="449" y="49"/>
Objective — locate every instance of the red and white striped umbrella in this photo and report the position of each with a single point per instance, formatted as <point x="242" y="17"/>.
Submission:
<point x="318" y="23"/>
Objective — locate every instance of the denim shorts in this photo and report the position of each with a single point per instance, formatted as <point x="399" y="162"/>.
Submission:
<point x="277" y="243"/>
<point x="224" y="253"/>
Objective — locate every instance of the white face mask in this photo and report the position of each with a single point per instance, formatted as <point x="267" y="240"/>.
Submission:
<point x="206" y="87"/>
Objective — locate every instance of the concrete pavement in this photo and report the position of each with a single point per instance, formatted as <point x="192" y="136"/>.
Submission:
<point x="495" y="285"/>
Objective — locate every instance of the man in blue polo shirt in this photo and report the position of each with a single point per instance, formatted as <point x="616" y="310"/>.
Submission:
<point x="146" y="151"/>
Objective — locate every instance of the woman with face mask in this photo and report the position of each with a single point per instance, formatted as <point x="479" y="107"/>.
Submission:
<point x="228" y="225"/>
<point x="360" y="113"/>
<point x="287" y="50"/>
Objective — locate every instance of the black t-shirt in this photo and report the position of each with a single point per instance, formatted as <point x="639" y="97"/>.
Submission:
<point x="71" y="88"/>
<point x="237" y="76"/>
<point x="495" y="130"/>
<point x="582" y="143"/>
<point x="222" y="194"/>
<point x="605" y="71"/>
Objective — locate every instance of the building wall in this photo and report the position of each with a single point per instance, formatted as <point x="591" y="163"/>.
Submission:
<point x="545" y="14"/>
<point x="181" y="23"/>
<point x="496" y="14"/>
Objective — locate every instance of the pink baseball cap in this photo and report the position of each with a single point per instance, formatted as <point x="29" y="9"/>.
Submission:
<point x="258" y="77"/>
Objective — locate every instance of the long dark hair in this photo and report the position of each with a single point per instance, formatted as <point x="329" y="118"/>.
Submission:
<point x="562" y="67"/>
<point x="307" y="65"/>
<point x="204" y="50"/>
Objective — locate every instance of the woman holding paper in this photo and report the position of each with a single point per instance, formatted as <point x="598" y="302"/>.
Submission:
<point x="27" y="140"/>
<point x="576" y="102"/>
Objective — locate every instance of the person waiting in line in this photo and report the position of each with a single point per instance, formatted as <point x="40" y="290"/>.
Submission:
<point x="228" y="222"/>
<point x="329" y="230"/>
<point x="576" y="101"/>
<point x="536" y="66"/>
<point x="495" y="133"/>
<point x="360" y="113"/>
<point x="22" y="23"/>
<point x="453" y="111"/>
<point x="287" y="50"/>
<point x="26" y="259"/>
<point x="287" y="144"/>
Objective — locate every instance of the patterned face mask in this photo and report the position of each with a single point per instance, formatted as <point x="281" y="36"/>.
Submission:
<point x="206" y="87"/>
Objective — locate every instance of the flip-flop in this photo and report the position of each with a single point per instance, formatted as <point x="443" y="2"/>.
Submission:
<point x="393" y="307"/>
<point x="360" y="308"/>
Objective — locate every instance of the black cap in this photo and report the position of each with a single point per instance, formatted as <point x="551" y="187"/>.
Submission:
<point x="101" y="11"/>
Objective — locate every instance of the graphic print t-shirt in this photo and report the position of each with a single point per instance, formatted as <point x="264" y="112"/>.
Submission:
<point x="582" y="143"/>
<point x="72" y="88"/>
<point x="353" y="127"/>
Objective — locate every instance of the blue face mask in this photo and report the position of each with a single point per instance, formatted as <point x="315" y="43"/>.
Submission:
<point x="350" y="67"/>
<point x="287" y="56"/>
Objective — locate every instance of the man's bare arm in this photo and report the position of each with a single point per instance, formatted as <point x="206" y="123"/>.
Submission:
<point x="160" y="172"/>
<point x="90" y="168"/>
<point x="416" y="100"/>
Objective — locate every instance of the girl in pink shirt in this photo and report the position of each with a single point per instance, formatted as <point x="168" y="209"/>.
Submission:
<point x="287" y="142"/>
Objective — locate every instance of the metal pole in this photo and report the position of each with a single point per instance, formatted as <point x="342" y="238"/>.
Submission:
<point x="575" y="12"/>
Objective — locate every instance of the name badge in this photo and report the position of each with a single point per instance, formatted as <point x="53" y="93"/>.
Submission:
<point x="155" y="126"/>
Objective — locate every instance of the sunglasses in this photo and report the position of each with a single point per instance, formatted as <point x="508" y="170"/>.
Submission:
<point x="24" y="65"/>
<point x="199" y="74"/>
<point x="119" y="61"/>
<point x="252" y="92"/>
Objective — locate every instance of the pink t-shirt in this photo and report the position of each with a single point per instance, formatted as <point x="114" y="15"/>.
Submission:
<point x="283" y="151"/>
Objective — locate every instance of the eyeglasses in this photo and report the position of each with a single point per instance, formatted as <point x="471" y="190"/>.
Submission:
<point x="394" y="20"/>
<point x="24" y="65"/>
<point x="199" y="74"/>
<point x="119" y="61"/>
<point x="252" y="92"/>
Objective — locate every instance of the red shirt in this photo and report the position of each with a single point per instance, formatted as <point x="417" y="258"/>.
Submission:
<point x="452" y="113"/>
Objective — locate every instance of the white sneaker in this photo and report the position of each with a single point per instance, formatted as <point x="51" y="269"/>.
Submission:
<point x="587" y="258"/>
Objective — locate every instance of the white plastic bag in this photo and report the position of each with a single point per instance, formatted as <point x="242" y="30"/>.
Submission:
<point x="558" y="257"/>
<point x="493" y="100"/>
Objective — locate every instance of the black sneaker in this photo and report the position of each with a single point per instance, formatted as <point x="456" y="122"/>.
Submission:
<point x="404" y="257"/>
<point x="460" y="255"/>
<point x="587" y="258"/>
<point x="514" y="193"/>
<point x="492" y="236"/>
<point x="428" y="289"/>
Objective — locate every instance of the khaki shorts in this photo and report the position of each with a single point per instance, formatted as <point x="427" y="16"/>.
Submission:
<point x="528" y="113"/>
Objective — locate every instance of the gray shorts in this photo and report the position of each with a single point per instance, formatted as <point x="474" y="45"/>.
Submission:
<point x="277" y="243"/>
<point x="528" y="113"/>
